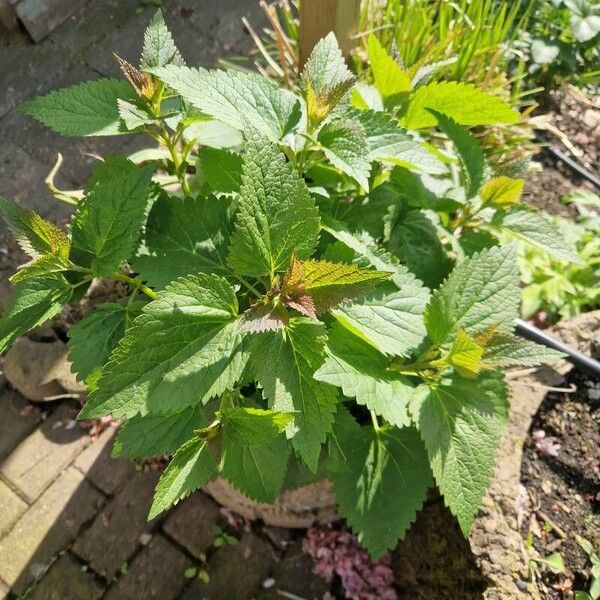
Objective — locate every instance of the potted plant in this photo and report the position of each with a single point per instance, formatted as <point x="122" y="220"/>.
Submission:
<point x="316" y="292"/>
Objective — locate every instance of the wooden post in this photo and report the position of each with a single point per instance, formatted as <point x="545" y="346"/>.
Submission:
<point x="319" y="17"/>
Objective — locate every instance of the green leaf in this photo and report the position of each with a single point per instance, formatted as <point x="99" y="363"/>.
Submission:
<point x="241" y="100"/>
<point x="481" y="292"/>
<point x="326" y="77"/>
<point x="467" y="148"/>
<point x="276" y="215"/>
<point x="462" y="102"/>
<point x="183" y="349"/>
<point x="159" y="48"/>
<point x="86" y="109"/>
<point x="185" y="236"/>
<point x="133" y="116"/>
<point x="461" y="422"/>
<point x="390" y="78"/>
<point x="92" y="340"/>
<point x="390" y="319"/>
<point x="389" y="142"/>
<point x="253" y="426"/>
<point x="537" y="229"/>
<point x="506" y="350"/>
<point x="258" y="471"/>
<point x="502" y="191"/>
<point x="417" y="244"/>
<point x="384" y="486"/>
<point x="106" y="227"/>
<point x="466" y="355"/>
<point x="33" y="303"/>
<point x="192" y="466"/>
<point x="221" y="169"/>
<point x="285" y="362"/>
<point x="345" y="145"/>
<point x="362" y="373"/>
<point x="36" y="236"/>
<point x="328" y="284"/>
<point x="156" y="435"/>
<point x="50" y="264"/>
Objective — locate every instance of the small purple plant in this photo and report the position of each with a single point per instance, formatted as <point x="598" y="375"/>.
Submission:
<point x="338" y="552"/>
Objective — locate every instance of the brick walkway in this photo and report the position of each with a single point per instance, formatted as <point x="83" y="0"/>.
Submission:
<point x="72" y="520"/>
<point x="73" y="525"/>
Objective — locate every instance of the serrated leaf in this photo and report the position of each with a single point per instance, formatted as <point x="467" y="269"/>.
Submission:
<point x="257" y="471"/>
<point x="284" y="363"/>
<point x="345" y="145"/>
<point x="362" y="372"/>
<point x="34" y="302"/>
<point x="253" y="426"/>
<point x="327" y="283"/>
<point x="184" y="348"/>
<point x="415" y="241"/>
<point x="185" y="236"/>
<point x="461" y="422"/>
<point x="390" y="78"/>
<point x="92" y="340"/>
<point x="387" y="475"/>
<point x="106" y="228"/>
<point x="466" y="355"/>
<point x="192" y="466"/>
<point x="462" y="102"/>
<point x="36" y="236"/>
<point x="241" y="100"/>
<point x="276" y="215"/>
<point x="264" y="316"/>
<point x="86" y="109"/>
<point x="326" y="77"/>
<point x="481" y="292"/>
<point x="389" y="142"/>
<point x="467" y="148"/>
<point x="537" y="229"/>
<point x="159" y="48"/>
<point x="133" y="116"/>
<point x="154" y="435"/>
<point x="220" y="169"/>
<point x="50" y="264"/>
<point x="390" y="319"/>
<point x="502" y="191"/>
<point x="506" y="350"/>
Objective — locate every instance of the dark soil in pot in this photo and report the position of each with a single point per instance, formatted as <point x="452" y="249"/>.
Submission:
<point x="562" y="484"/>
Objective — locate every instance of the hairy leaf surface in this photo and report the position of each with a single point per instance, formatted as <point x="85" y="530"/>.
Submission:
<point x="276" y="215"/>
<point x="285" y="362"/>
<point x="387" y="475"/>
<point x="185" y="348"/>
<point x="159" y="48"/>
<point x="86" y="109"/>
<point x="461" y="422"/>
<point x="362" y="372"/>
<point x="106" y="228"/>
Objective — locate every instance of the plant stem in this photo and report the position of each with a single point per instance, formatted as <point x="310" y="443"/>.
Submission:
<point x="136" y="284"/>
<point x="375" y="421"/>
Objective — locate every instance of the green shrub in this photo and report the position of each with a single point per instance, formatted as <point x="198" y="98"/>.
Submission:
<point x="315" y="290"/>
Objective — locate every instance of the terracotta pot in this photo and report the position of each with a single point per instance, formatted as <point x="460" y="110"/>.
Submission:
<point x="297" y="508"/>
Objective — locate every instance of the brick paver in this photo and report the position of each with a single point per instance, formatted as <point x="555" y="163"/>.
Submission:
<point x="95" y="462"/>
<point x="66" y="580"/>
<point x="11" y="508"/>
<point x="46" y="528"/>
<point x="115" y="534"/>
<point x="156" y="572"/>
<point x="236" y="572"/>
<point x="293" y="575"/>
<point x="191" y="523"/>
<point x="40" y="458"/>
<point x="14" y="427"/>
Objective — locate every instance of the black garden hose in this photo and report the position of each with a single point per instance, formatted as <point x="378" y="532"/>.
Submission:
<point x="580" y="360"/>
<point x="574" y="165"/>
